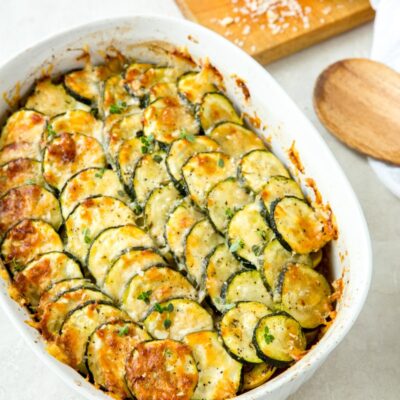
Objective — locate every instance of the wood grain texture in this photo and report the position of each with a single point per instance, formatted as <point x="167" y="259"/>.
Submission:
<point x="358" y="100"/>
<point x="325" y="18"/>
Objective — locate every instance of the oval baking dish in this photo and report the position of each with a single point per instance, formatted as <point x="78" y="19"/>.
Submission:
<point x="268" y="110"/>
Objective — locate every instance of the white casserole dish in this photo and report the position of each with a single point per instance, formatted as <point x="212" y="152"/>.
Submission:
<point x="351" y="255"/>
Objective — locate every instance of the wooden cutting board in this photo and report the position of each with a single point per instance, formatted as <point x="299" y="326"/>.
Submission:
<point x="281" y="30"/>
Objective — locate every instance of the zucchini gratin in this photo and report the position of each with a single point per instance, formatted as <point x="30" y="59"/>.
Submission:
<point x="163" y="250"/>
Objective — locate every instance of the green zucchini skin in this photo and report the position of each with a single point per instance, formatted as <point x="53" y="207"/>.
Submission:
<point x="92" y="99"/>
<point x="236" y="329"/>
<point x="261" y="333"/>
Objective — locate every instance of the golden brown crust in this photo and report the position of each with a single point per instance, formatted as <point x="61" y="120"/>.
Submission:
<point x="157" y="371"/>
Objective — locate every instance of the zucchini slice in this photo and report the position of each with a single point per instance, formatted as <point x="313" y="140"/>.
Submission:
<point x="56" y="290"/>
<point x="28" y="202"/>
<point x="224" y="199"/>
<point x="107" y="351"/>
<point x="305" y="295"/>
<point x="204" y="170"/>
<point x="150" y="172"/>
<point x="174" y="319"/>
<point x="235" y="139"/>
<point x="79" y="325"/>
<point x="237" y="327"/>
<point x="159" y="284"/>
<point x="54" y="314"/>
<point x="220" y="266"/>
<point x="162" y="89"/>
<point x="258" y="166"/>
<point x="278" y="187"/>
<point x="88" y="183"/>
<point x="216" y="108"/>
<point x="42" y="272"/>
<point x="19" y="172"/>
<point x="219" y="374"/>
<point x="298" y="226"/>
<point x="194" y="85"/>
<point x="20" y="149"/>
<point x="162" y="369"/>
<point x="166" y="119"/>
<point x="23" y="125"/>
<point x="257" y="375"/>
<point x="248" y="233"/>
<point x="26" y="240"/>
<point x="139" y="78"/>
<point x="125" y="128"/>
<point x="199" y="243"/>
<point x="78" y="121"/>
<point x="182" y="149"/>
<point x="116" y="99"/>
<point x="109" y="245"/>
<point x="159" y="205"/>
<point x="92" y="216"/>
<point x="51" y="99"/>
<point x="179" y="223"/>
<point x="275" y="259"/>
<point x="132" y="261"/>
<point x="129" y="154"/>
<point x="279" y="339"/>
<point x="83" y="85"/>
<point x="68" y="154"/>
<point x="246" y="286"/>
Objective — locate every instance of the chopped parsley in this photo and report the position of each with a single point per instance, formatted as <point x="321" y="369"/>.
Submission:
<point x="16" y="265"/>
<point x="137" y="208"/>
<point x="159" y="308"/>
<point x="268" y="337"/>
<point x="145" y="296"/>
<point x="221" y="163"/>
<point x="229" y="212"/>
<point x="121" y="193"/>
<point x="188" y="136"/>
<point x="86" y="236"/>
<point x="123" y="331"/>
<point x="30" y="182"/>
<point x="100" y="173"/>
<point x="157" y="158"/>
<point x="118" y="107"/>
<point x="148" y="144"/>
<point x="51" y="132"/>
<point x="235" y="246"/>
<point x="257" y="249"/>
<point x="167" y="323"/>
<point x="262" y="234"/>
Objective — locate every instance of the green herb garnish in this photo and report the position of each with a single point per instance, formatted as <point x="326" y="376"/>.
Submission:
<point x="121" y="193"/>
<point x="86" y="236"/>
<point x="221" y="163"/>
<point x="257" y="249"/>
<point x="51" y="132"/>
<point x="159" y="308"/>
<point x="100" y="173"/>
<point x="16" y="265"/>
<point x="123" y="331"/>
<point x="157" y="158"/>
<point x="145" y="296"/>
<point x="235" y="246"/>
<point x="137" y="208"/>
<point x="167" y="323"/>
<point x="30" y="182"/>
<point x="188" y="136"/>
<point x="229" y="213"/>
<point x="118" y="107"/>
<point x="268" y="337"/>
<point x="148" y="144"/>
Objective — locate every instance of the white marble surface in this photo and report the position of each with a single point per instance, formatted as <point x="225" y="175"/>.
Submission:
<point x="366" y="365"/>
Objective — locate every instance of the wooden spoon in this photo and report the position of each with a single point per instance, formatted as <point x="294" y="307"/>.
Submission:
<point x="358" y="101"/>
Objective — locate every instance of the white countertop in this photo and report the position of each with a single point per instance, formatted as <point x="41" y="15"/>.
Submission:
<point x="366" y="364"/>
